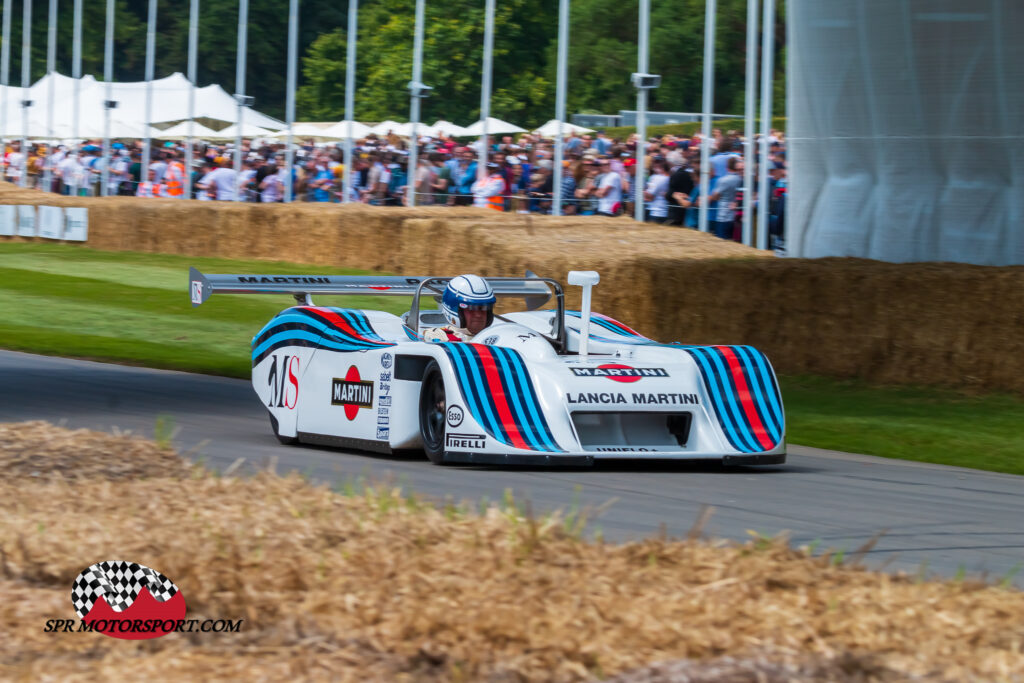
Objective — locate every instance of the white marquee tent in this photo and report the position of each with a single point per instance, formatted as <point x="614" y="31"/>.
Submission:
<point x="340" y="129"/>
<point x="550" y="129"/>
<point x="170" y="103"/>
<point x="494" y="127"/>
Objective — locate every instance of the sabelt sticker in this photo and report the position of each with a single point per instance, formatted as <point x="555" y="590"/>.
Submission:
<point x="455" y="415"/>
<point x="110" y="594"/>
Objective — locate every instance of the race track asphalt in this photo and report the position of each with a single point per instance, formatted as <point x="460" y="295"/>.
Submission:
<point x="935" y="519"/>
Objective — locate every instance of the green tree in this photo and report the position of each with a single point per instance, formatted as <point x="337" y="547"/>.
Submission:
<point x="603" y="53"/>
<point x="452" y="56"/>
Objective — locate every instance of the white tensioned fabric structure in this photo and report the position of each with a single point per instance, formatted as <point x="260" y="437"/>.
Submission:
<point x="906" y="130"/>
<point x="170" y="104"/>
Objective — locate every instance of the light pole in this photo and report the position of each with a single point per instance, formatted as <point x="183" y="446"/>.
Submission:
<point x="193" y="52"/>
<point x="150" y="49"/>
<point x="240" y="97"/>
<point x="485" y="89"/>
<point x="350" y="93"/>
<point x="108" y="103"/>
<point x="26" y="77"/>
<point x="293" y="42"/>
<point x="749" y="109"/>
<point x="643" y="82"/>
<point x="51" y="60"/>
<point x="767" y="72"/>
<point x="76" y="73"/>
<point x="417" y="91"/>
<point x="5" y="72"/>
<point x="563" y="59"/>
<point x="708" y="106"/>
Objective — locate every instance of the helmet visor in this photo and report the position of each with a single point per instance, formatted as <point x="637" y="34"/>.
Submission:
<point x="475" y="307"/>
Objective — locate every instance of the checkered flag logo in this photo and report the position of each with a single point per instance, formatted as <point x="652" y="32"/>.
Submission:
<point x="119" y="583"/>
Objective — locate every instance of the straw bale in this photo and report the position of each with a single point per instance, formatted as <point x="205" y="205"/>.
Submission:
<point x="384" y="586"/>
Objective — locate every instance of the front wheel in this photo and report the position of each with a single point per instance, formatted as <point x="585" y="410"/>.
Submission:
<point x="432" y="413"/>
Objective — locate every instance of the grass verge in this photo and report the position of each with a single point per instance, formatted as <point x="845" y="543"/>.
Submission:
<point x="131" y="307"/>
<point x="380" y="584"/>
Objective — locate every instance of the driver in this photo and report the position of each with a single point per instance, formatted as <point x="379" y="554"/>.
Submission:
<point x="468" y="305"/>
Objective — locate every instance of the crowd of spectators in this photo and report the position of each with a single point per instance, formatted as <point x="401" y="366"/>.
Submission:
<point x="597" y="179"/>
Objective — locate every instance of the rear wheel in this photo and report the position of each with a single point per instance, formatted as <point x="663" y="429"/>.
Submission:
<point x="286" y="440"/>
<point x="433" y="405"/>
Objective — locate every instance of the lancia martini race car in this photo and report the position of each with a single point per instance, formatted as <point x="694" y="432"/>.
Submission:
<point x="535" y="387"/>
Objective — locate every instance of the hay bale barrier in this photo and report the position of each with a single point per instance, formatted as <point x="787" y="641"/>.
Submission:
<point x="940" y="324"/>
<point x="378" y="584"/>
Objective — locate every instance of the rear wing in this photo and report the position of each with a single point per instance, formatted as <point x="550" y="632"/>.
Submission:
<point x="201" y="286"/>
<point x="535" y="291"/>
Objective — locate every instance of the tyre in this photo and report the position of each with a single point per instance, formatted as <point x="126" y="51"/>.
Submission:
<point x="286" y="440"/>
<point x="432" y="413"/>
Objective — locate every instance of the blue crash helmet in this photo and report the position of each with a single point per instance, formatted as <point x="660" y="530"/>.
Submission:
<point x="467" y="292"/>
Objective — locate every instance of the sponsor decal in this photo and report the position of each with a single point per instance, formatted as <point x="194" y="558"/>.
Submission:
<point x="455" y="415"/>
<point x="386" y="359"/>
<point x="595" y="397"/>
<point x="492" y="340"/>
<point x="197" y="292"/>
<point x="526" y="337"/>
<point x="283" y="380"/>
<point x="384" y="399"/>
<point x="465" y="441"/>
<point x="666" y="399"/>
<point x="281" y="279"/>
<point x="107" y="595"/>
<point x="651" y="399"/>
<point x="625" y="449"/>
<point x="352" y="393"/>
<point x="620" y="373"/>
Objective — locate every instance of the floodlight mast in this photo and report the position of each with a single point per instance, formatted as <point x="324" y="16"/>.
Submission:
<point x="416" y="91"/>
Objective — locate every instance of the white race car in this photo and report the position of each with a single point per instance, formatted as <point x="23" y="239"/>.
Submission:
<point x="536" y="387"/>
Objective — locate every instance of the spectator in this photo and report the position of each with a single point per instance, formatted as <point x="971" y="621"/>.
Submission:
<point x="221" y="182"/>
<point x="487" y="191"/>
<point x="271" y="187"/>
<point x="609" y="191"/>
<point x="680" y="193"/>
<point x="725" y="195"/>
<point x="656" y="191"/>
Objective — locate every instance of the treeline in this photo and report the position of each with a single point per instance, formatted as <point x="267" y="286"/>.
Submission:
<point x="602" y="53"/>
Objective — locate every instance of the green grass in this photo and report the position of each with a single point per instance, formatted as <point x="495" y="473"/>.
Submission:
<point x="131" y="307"/>
<point x="134" y="308"/>
<point x="911" y="423"/>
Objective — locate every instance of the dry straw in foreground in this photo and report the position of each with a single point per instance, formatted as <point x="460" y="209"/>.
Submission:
<point x="380" y="586"/>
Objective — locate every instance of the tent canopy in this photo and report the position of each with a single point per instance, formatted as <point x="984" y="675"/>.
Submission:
<point x="494" y="127"/>
<point x="249" y="130"/>
<point x="170" y="103"/>
<point x="385" y="127"/>
<point x="447" y="128"/>
<point x="550" y="129"/>
<point x="340" y="129"/>
<point x="181" y="132"/>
